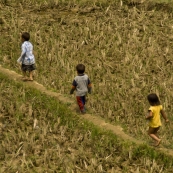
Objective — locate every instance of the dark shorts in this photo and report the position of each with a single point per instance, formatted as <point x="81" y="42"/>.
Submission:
<point x="28" y="67"/>
<point x="153" y="130"/>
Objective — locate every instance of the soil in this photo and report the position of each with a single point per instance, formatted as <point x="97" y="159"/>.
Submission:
<point x="98" y="121"/>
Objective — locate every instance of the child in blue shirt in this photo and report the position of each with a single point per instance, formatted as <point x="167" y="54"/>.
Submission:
<point x="27" y="59"/>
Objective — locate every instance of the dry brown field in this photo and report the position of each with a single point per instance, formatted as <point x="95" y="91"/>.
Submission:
<point x="127" y="50"/>
<point x="40" y="135"/>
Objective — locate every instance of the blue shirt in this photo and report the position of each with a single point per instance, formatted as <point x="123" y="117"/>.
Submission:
<point x="27" y="56"/>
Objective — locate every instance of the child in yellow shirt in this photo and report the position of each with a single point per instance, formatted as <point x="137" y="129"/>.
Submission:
<point x="154" y="117"/>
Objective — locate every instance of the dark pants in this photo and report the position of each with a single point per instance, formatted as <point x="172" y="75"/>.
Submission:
<point x="81" y="102"/>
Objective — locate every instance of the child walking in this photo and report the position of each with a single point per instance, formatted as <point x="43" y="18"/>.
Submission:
<point x="154" y="117"/>
<point x="27" y="59"/>
<point x="82" y="85"/>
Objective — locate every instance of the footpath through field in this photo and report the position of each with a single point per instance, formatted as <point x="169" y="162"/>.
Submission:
<point x="98" y="121"/>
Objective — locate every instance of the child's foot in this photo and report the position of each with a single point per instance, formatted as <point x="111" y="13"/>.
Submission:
<point x="83" y="111"/>
<point x="158" y="143"/>
<point x="24" y="78"/>
<point x="152" y="143"/>
<point x="30" y="79"/>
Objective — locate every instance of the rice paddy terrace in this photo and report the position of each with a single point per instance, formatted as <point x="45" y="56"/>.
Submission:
<point x="127" y="52"/>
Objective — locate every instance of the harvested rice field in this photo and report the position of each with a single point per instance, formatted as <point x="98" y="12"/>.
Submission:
<point x="127" y="50"/>
<point x="39" y="134"/>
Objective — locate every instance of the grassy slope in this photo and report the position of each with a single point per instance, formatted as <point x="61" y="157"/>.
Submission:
<point x="150" y="67"/>
<point x="63" y="142"/>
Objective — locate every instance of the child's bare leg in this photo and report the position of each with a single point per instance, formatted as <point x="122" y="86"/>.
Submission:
<point x="156" y="135"/>
<point x="153" y="136"/>
<point x="31" y="75"/>
<point x="152" y="132"/>
<point x="24" y="75"/>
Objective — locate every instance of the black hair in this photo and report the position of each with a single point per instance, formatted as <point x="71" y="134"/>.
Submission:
<point x="153" y="99"/>
<point x="26" y="36"/>
<point x="80" y="68"/>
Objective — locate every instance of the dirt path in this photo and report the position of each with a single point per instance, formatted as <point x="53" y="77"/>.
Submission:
<point x="98" y="121"/>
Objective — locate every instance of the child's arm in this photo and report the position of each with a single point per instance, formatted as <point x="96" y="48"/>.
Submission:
<point x="74" y="84"/>
<point x="149" y="115"/>
<point x="164" y="115"/>
<point x="89" y="86"/>
<point x="72" y="89"/>
<point x="23" y="51"/>
<point x="22" y="56"/>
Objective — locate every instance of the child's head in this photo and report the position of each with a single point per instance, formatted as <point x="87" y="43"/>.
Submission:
<point x="25" y="36"/>
<point x="80" y="68"/>
<point x="153" y="99"/>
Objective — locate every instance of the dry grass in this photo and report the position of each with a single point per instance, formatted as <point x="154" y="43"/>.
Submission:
<point x="127" y="52"/>
<point x="40" y="135"/>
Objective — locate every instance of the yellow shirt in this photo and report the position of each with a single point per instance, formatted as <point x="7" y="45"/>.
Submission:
<point x="155" y="120"/>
